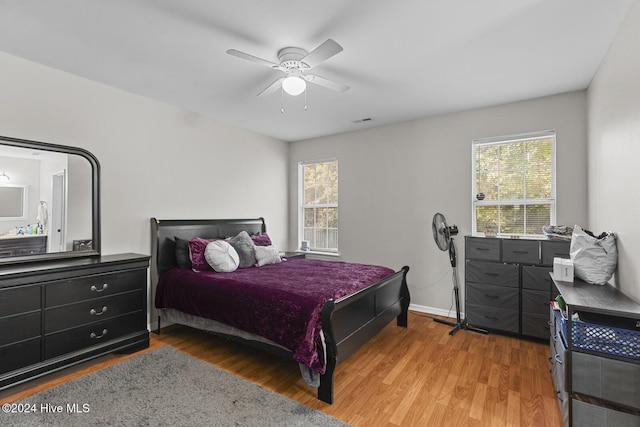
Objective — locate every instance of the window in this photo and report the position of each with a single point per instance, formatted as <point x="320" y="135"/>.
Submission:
<point x="514" y="184"/>
<point x="318" y="183"/>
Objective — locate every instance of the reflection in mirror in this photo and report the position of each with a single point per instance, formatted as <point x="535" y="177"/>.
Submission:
<point x="48" y="201"/>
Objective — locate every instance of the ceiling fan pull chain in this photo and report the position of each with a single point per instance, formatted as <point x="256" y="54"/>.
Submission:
<point x="305" y="100"/>
<point x="281" y="100"/>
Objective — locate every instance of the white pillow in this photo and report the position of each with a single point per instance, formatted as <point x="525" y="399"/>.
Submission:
<point x="267" y="255"/>
<point x="221" y="256"/>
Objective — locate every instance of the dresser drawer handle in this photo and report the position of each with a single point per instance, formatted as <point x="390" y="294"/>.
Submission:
<point x="492" y="274"/>
<point x="491" y="317"/>
<point x="482" y="249"/>
<point x="95" y="289"/>
<point x="520" y="252"/>
<point x="93" y="311"/>
<point x="97" y="337"/>
<point x="492" y="296"/>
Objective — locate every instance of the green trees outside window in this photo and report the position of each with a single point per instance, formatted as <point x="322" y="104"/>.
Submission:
<point x="514" y="184"/>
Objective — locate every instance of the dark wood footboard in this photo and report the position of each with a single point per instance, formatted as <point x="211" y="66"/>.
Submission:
<point x="348" y="323"/>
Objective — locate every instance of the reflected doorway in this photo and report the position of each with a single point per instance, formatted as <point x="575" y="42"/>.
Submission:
<point x="56" y="229"/>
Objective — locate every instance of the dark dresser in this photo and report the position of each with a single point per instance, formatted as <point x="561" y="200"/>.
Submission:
<point x="58" y="313"/>
<point x="507" y="283"/>
<point x="595" y="356"/>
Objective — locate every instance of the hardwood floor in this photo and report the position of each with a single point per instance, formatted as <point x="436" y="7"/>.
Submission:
<point x="418" y="376"/>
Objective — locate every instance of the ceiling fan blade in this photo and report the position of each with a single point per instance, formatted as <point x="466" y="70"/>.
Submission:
<point x="329" y="84"/>
<point x="252" y="58"/>
<point x="323" y="52"/>
<point x="272" y="87"/>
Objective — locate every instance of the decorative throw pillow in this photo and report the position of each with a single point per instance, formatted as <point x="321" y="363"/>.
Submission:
<point x="197" y="246"/>
<point x="221" y="256"/>
<point x="261" y="239"/>
<point x="243" y="244"/>
<point x="267" y="255"/>
<point x="182" y="253"/>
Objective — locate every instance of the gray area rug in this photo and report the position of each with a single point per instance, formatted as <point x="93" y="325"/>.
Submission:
<point x="162" y="387"/>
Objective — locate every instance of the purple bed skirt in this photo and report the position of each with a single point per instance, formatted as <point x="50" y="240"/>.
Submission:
<point x="281" y="302"/>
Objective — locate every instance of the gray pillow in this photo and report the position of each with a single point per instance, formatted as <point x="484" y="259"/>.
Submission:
<point x="246" y="249"/>
<point x="267" y="255"/>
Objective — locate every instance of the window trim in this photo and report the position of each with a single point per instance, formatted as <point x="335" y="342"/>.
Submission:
<point x="506" y="139"/>
<point x="301" y="205"/>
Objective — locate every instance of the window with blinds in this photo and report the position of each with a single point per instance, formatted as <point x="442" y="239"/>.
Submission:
<point x="514" y="184"/>
<point x="319" y="205"/>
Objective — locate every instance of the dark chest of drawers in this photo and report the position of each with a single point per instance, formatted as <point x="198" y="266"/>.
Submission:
<point x="507" y="283"/>
<point x="56" y="314"/>
<point x="595" y="356"/>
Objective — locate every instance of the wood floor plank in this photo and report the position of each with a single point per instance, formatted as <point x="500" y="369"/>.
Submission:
<point x="418" y="376"/>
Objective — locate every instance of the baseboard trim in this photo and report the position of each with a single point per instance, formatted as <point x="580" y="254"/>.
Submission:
<point x="434" y="310"/>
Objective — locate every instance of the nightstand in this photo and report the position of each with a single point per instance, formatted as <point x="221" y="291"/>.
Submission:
<point x="291" y="255"/>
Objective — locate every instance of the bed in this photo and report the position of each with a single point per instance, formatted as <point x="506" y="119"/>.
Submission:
<point x="369" y="298"/>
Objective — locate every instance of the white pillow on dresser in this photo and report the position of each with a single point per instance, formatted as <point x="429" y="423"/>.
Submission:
<point x="221" y="256"/>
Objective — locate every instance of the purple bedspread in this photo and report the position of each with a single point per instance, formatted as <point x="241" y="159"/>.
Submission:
<point x="281" y="302"/>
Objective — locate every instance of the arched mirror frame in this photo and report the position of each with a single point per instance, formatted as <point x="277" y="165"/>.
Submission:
<point x="95" y="200"/>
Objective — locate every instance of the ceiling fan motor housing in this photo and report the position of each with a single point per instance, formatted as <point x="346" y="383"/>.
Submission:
<point x="290" y="57"/>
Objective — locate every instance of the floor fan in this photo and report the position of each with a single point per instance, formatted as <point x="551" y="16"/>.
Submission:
<point x="443" y="235"/>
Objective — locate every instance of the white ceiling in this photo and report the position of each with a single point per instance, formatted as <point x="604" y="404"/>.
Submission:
<point x="403" y="59"/>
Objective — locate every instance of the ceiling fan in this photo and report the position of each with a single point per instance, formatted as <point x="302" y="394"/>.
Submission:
<point x="295" y="63"/>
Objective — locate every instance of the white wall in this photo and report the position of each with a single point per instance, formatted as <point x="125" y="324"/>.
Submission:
<point x="614" y="150"/>
<point x="393" y="179"/>
<point x="156" y="160"/>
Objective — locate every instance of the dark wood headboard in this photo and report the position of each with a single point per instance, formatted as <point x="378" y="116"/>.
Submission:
<point x="164" y="232"/>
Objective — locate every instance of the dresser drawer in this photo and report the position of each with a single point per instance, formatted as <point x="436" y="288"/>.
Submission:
<point x="606" y="378"/>
<point x="492" y="273"/>
<point x="19" y="355"/>
<point x="19" y="327"/>
<point x="537" y="278"/>
<point x="535" y="302"/>
<point x="521" y="251"/>
<point x="535" y="325"/>
<point x="19" y="300"/>
<point x="492" y="317"/>
<point x="587" y="415"/>
<point x="84" y="312"/>
<point x="558" y="364"/>
<point x="491" y="295"/>
<point x="559" y="356"/>
<point x="94" y="334"/>
<point x="95" y="286"/>
<point x="551" y="249"/>
<point x="482" y="248"/>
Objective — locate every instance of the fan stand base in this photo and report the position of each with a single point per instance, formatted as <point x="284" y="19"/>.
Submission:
<point x="460" y="325"/>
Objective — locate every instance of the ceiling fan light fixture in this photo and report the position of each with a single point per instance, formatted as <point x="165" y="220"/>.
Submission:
<point x="294" y="85"/>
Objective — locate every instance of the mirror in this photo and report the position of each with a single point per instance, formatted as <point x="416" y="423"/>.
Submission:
<point x="49" y="201"/>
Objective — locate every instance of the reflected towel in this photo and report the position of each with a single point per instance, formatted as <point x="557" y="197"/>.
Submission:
<point x="43" y="215"/>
